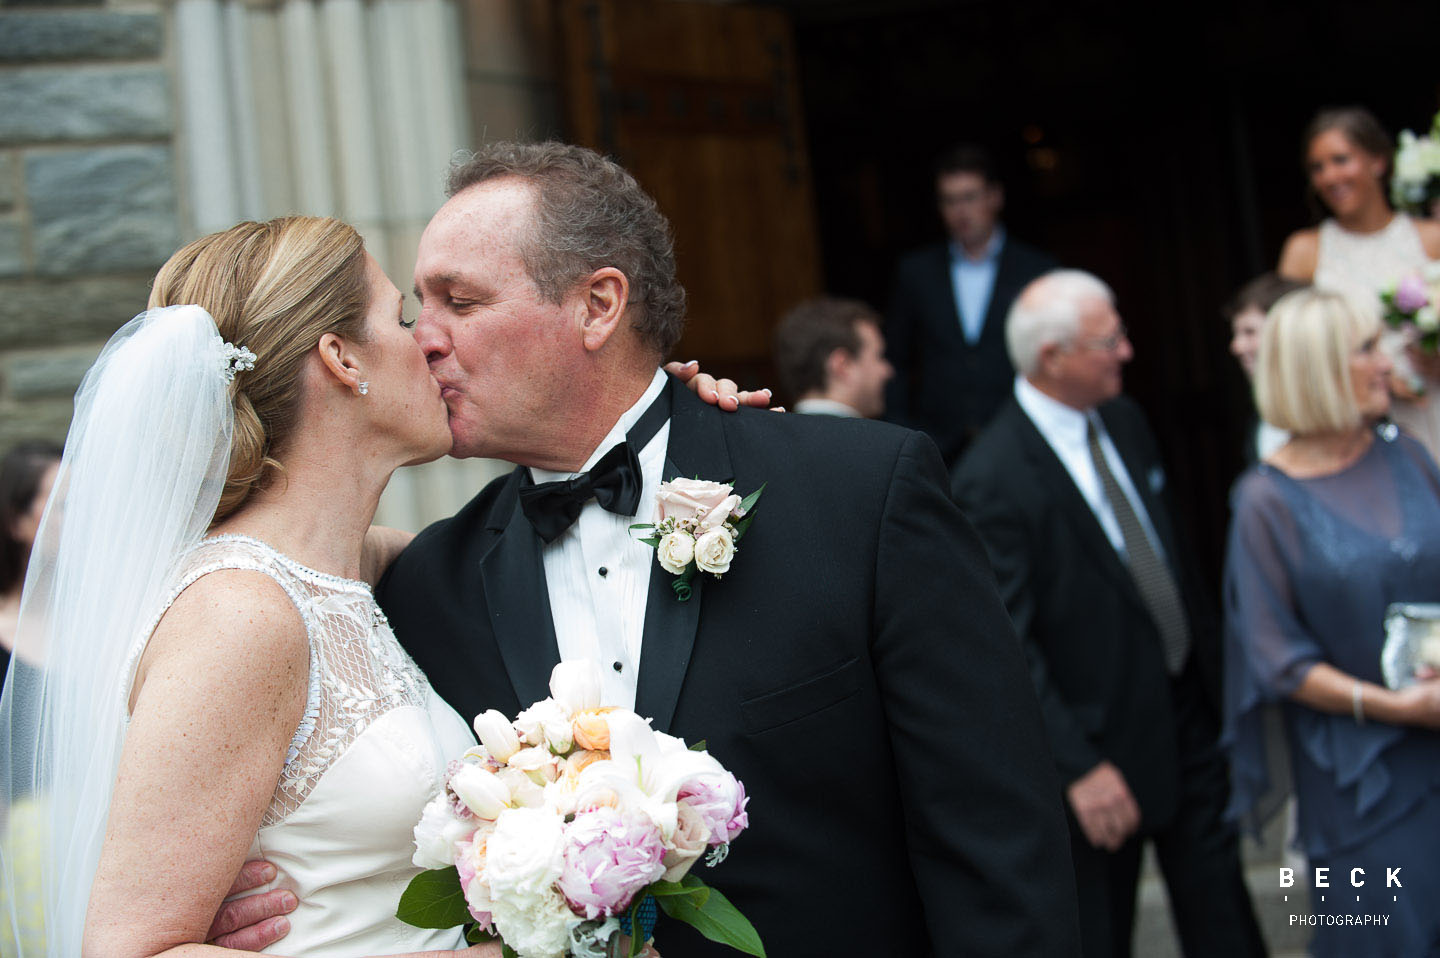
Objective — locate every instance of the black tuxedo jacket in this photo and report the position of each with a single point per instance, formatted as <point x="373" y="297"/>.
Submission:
<point x="1094" y="650"/>
<point x="943" y="384"/>
<point x="855" y="669"/>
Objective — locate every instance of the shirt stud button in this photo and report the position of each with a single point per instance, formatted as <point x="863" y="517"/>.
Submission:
<point x="604" y="572"/>
<point x="617" y="666"/>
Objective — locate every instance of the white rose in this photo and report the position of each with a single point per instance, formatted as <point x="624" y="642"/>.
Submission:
<point x="524" y="791"/>
<point x="482" y="791"/>
<point x="576" y="685"/>
<point x="437" y="833"/>
<point x="713" y="551"/>
<point x="497" y="735"/>
<point x="545" y="723"/>
<point x="535" y="927"/>
<point x="525" y="854"/>
<point x="675" y="552"/>
<point x="687" y="843"/>
<point x="1427" y="320"/>
<point x="538" y="763"/>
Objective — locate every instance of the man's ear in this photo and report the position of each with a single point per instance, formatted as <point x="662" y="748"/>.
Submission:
<point x="604" y="295"/>
<point x="1050" y="355"/>
<point x="339" y="361"/>
<point x="837" y="364"/>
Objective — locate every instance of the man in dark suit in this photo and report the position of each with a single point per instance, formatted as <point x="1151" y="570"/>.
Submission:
<point x="902" y="797"/>
<point x="1067" y="490"/>
<point x="831" y="358"/>
<point x="946" y="324"/>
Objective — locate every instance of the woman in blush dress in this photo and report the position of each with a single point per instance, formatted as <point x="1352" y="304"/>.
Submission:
<point x="1339" y="522"/>
<point x="1364" y="246"/>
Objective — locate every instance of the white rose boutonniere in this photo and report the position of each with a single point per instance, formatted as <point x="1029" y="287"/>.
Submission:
<point x="700" y="523"/>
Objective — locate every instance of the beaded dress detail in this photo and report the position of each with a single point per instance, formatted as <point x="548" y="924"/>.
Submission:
<point x="371" y="750"/>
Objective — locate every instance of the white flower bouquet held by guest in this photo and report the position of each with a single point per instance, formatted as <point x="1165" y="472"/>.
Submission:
<point x="1415" y="186"/>
<point x="560" y="824"/>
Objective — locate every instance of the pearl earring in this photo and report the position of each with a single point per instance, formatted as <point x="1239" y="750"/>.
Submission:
<point x="364" y="387"/>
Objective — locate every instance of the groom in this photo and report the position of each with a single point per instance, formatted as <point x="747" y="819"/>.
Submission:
<point x="855" y="667"/>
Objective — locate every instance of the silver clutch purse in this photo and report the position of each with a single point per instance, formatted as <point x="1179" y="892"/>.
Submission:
<point x="1412" y="641"/>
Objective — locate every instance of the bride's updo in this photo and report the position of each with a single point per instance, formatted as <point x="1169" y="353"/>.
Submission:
<point x="274" y="288"/>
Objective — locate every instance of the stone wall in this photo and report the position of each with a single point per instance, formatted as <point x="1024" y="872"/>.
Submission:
<point x="87" y="195"/>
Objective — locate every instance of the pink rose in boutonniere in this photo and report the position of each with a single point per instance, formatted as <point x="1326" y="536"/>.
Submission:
<point x="700" y="524"/>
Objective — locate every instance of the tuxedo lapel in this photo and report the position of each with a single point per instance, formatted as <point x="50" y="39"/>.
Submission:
<point x="946" y="314"/>
<point x="513" y="574"/>
<point x="1082" y="518"/>
<point x="696" y="449"/>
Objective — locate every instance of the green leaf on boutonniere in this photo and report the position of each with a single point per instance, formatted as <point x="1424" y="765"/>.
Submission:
<point x="434" y="899"/>
<point x="713" y="916"/>
<point x="698" y="746"/>
<point x="682" y="586"/>
<point x="747" y="506"/>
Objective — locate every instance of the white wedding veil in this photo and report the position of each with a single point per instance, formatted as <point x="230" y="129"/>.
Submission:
<point x="144" y="466"/>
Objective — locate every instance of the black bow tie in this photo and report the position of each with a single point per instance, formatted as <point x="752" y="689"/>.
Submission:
<point x="614" y="482"/>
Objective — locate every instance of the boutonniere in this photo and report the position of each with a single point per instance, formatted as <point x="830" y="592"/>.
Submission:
<point x="700" y="523"/>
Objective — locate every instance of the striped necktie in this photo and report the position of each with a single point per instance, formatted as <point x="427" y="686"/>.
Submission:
<point x="1151" y="574"/>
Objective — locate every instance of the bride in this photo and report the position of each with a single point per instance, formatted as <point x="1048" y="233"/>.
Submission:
<point x="209" y="679"/>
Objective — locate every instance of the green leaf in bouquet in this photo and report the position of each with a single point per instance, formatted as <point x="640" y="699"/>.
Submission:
<point x="434" y="899"/>
<point x="507" y="952"/>
<point x="715" y="918"/>
<point x="670" y="889"/>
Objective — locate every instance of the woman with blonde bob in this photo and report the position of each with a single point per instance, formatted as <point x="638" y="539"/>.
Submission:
<point x="1338" y="523"/>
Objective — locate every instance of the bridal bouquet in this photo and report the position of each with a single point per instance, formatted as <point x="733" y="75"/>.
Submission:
<point x="554" y="832"/>
<point x="1416" y="183"/>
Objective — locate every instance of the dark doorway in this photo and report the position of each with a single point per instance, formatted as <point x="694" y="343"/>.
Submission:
<point x="1156" y="146"/>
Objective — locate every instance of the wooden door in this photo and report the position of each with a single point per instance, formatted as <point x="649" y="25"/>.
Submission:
<point x="699" y="101"/>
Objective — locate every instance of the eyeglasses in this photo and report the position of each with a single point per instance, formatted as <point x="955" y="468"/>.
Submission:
<point x="1107" y="344"/>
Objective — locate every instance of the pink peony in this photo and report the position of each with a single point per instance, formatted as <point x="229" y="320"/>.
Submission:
<point x="720" y="802"/>
<point x="1411" y="295"/>
<point x="609" y="856"/>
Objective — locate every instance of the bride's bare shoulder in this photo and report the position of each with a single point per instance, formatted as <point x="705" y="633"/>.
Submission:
<point x="234" y="627"/>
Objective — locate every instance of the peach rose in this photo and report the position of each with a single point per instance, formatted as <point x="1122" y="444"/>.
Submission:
<point x="592" y="729"/>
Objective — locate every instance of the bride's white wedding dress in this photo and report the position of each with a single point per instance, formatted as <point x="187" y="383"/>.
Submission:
<point x="371" y="750"/>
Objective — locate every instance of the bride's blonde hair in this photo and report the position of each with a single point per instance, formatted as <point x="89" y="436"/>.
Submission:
<point x="275" y="288"/>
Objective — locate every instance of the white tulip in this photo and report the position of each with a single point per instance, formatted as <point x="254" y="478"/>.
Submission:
<point x="576" y="685"/>
<point x="483" y="793"/>
<point x="497" y="735"/>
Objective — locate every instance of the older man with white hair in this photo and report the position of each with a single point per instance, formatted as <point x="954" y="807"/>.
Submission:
<point x="1067" y="489"/>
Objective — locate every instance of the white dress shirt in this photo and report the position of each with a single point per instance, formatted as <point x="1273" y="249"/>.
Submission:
<point x="1064" y="429"/>
<point x="598" y="574"/>
<point x="825" y="407"/>
<point x="973" y="280"/>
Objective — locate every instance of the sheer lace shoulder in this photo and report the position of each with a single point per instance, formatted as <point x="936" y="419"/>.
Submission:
<point x="358" y="670"/>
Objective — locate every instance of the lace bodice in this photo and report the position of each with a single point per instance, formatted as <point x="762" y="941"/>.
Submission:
<point x="1359" y="265"/>
<point x="370" y="752"/>
<point x="358" y="671"/>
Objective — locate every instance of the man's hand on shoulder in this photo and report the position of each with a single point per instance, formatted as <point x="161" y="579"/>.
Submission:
<point x="1104" y="806"/>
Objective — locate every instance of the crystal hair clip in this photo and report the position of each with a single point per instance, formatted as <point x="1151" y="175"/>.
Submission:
<point x="235" y="359"/>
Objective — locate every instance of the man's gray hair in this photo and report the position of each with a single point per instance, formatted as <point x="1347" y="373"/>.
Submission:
<point x="589" y="213"/>
<point x="1048" y="311"/>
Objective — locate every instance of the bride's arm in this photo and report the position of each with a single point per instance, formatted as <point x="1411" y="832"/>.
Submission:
<point x="220" y="692"/>
<point x="219" y="695"/>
